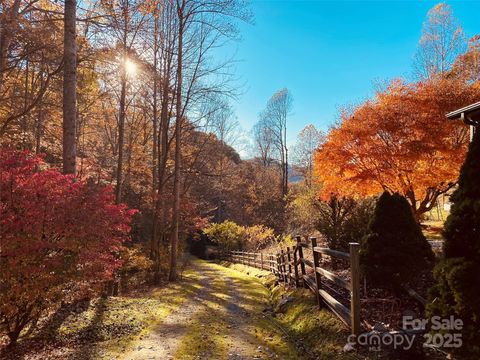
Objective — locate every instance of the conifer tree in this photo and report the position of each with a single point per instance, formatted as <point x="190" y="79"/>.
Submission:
<point x="457" y="288"/>
<point x="394" y="249"/>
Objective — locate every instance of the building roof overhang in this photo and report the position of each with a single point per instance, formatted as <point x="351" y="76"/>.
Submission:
<point x="469" y="114"/>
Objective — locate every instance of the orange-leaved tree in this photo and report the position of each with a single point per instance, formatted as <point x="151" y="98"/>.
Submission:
<point x="399" y="141"/>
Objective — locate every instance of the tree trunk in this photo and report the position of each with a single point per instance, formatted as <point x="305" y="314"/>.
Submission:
<point x="155" y="194"/>
<point x="155" y="106"/>
<point x="13" y="337"/>
<point x="121" y="135"/>
<point x="39" y="129"/>
<point x="158" y="232"/>
<point x="177" y="171"/>
<point x="6" y="34"/>
<point x="121" y="110"/>
<point x="69" y="88"/>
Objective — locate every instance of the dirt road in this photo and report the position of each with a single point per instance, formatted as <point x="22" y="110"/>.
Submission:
<point x="223" y="320"/>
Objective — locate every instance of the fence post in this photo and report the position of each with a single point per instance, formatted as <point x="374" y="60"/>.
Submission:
<point x="295" y="264"/>
<point x="284" y="268"/>
<point x="279" y="268"/>
<point x="355" y="288"/>
<point x="300" y="259"/>
<point x="316" y="263"/>
<point x="289" y="264"/>
<point x="261" y="261"/>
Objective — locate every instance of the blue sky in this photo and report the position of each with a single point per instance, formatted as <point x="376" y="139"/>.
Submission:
<point x="328" y="54"/>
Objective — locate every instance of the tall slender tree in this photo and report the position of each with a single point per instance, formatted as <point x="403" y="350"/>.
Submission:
<point x="178" y="139"/>
<point x="308" y="140"/>
<point x="273" y="120"/>
<point x="70" y="87"/>
<point x="441" y="42"/>
<point x="205" y="23"/>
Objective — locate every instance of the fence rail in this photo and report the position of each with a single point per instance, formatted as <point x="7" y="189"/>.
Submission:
<point x="291" y="267"/>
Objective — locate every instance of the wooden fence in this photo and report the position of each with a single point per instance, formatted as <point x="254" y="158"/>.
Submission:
<point x="255" y="259"/>
<point x="290" y="267"/>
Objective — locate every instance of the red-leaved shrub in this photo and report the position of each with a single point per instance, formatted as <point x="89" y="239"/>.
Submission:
<point x="60" y="238"/>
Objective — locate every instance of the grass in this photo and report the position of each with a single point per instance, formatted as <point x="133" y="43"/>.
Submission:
<point x="210" y="341"/>
<point x="205" y="336"/>
<point x="250" y="282"/>
<point x="111" y="327"/>
<point x="150" y="311"/>
<point x="319" y="333"/>
<point x="106" y="328"/>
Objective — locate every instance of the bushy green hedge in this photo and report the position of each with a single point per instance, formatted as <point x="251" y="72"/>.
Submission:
<point x="394" y="249"/>
<point x="457" y="289"/>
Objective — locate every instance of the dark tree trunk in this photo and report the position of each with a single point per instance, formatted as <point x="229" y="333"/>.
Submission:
<point x="121" y="136"/>
<point x="69" y="88"/>
<point x="6" y="34"/>
<point x="178" y="136"/>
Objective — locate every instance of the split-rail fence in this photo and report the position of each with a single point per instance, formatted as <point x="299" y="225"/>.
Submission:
<point x="290" y="267"/>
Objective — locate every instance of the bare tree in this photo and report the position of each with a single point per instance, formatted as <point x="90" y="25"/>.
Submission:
<point x="226" y="128"/>
<point x="168" y="37"/>
<point x="182" y="16"/>
<point x="273" y="122"/>
<point x="263" y="142"/>
<point x="201" y="25"/>
<point x="124" y="22"/>
<point x="308" y="140"/>
<point x="441" y="42"/>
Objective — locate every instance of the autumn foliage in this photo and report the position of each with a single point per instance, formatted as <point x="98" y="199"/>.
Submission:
<point x="399" y="141"/>
<point x="231" y="236"/>
<point x="60" y="238"/>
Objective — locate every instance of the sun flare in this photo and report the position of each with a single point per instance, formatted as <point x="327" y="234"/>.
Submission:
<point x="130" y="67"/>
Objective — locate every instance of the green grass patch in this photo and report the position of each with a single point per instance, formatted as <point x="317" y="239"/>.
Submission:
<point x="107" y="327"/>
<point x="313" y="332"/>
<point x="265" y="332"/>
<point x="205" y="337"/>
